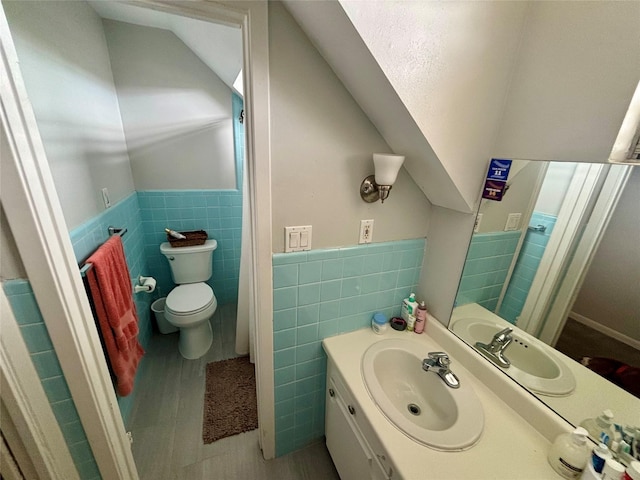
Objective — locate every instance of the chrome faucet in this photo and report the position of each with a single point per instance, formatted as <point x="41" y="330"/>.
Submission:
<point x="439" y="362"/>
<point x="494" y="351"/>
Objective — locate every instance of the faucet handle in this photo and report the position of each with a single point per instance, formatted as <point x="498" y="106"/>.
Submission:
<point x="441" y="358"/>
<point x="503" y="335"/>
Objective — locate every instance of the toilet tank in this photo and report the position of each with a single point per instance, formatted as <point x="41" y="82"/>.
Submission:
<point x="190" y="264"/>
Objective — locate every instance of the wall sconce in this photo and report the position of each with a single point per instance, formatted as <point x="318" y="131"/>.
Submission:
<point x="376" y="187"/>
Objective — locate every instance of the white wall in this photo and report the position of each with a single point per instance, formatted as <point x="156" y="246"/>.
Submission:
<point x="321" y="149"/>
<point x="610" y="294"/>
<point x="176" y="112"/>
<point x="578" y="68"/>
<point x="555" y="186"/>
<point x="65" y="64"/>
<point x="450" y="63"/>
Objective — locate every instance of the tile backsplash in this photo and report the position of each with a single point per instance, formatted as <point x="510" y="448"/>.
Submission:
<point x="526" y="267"/>
<point x="318" y="294"/>
<point x="486" y="268"/>
<point x="45" y="361"/>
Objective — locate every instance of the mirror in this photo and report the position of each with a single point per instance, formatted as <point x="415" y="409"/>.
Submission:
<point x="556" y="260"/>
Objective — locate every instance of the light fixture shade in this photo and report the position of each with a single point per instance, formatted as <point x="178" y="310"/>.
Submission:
<point x="626" y="148"/>
<point x="387" y="167"/>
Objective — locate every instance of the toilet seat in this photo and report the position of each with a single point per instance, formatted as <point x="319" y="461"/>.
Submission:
<point x="189" y="299"/>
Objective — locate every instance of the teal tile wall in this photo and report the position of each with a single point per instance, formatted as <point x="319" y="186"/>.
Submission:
<point x="486" y="268"/>
<point x="218" y="212"/>
<point x="90" y="235"/>
<point x="45" y="361"/>
<point x="526" y="267"/>
<point x="318" y="294"/>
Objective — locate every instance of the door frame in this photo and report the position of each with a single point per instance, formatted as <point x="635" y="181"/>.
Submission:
<point x="31" y="425"/>
<point x="587" y="207"/>
<point x="35" y="216"/>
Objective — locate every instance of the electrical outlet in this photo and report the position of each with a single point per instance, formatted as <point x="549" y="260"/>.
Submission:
<point x="105" y="198"/>
<point x="366" y="231"/>
<point x="476" y="227"/>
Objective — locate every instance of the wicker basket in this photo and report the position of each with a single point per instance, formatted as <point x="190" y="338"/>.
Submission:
<point x="197" y="237"/>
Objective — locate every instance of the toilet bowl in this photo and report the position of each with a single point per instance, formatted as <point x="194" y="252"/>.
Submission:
<point x="189" y="307"/>
<point x="192" y="303"/>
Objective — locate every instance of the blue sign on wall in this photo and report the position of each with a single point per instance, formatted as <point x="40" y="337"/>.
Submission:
<point x="499" y="169"/>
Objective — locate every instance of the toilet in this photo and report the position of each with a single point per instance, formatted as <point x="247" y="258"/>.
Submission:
<point x="192" y="303"/>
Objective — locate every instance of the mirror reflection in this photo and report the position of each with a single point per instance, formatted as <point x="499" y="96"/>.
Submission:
<point x="550" y="288"/>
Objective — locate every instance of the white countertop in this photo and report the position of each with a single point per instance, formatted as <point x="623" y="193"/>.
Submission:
<point x="509" y="448"/>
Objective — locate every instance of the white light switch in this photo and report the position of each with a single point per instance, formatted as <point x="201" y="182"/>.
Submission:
<point x="297" y="239"/>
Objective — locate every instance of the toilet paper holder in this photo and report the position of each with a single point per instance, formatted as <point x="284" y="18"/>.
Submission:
<point x="145" y="284"/>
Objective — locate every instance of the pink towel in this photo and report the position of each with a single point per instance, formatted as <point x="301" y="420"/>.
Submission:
<point x="110" y="288"/>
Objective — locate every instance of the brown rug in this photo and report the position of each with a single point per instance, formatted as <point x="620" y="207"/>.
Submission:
<point x="230" y="405"/>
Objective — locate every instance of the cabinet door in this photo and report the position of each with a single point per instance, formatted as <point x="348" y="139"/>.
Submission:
<point x="348" y="450"/>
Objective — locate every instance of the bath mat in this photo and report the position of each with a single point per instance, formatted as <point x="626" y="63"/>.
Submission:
<point x="230" y="405"/>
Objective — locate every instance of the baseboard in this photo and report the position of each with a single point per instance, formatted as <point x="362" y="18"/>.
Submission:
<point x="609" y="332"/>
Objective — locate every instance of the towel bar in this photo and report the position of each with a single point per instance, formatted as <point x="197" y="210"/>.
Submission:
<point x="112" y="231"/>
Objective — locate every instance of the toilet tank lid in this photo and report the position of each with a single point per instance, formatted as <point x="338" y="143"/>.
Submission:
<point x="167" y="249"/>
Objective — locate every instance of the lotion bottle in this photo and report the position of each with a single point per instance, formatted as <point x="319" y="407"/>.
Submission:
<point x="421" y="318"/>
<point x="569" y="454"/>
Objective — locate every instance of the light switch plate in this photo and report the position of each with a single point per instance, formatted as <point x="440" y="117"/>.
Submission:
<point x="297" y="239"/>
<point x="513" y="222"/>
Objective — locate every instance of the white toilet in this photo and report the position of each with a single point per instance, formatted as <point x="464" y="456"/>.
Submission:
<point x="191" y="304"/>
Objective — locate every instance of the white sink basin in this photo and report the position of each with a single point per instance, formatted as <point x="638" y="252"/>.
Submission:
<point x="417" y="402"/>
<point x="533" y="364"/>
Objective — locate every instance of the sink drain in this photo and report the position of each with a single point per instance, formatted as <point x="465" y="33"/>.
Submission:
<point x="413" y="409"/>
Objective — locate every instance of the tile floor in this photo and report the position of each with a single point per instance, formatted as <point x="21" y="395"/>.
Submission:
<point x="166" y="421"/>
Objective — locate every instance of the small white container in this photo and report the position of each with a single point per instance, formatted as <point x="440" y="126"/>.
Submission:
<point x="379" y="323"/>
<point x="569" y="454"/>
<point x="599" y="455"/>
<point x="612" y="470"/>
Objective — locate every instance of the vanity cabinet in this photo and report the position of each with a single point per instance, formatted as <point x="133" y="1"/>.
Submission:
<point x="355" y="456"/>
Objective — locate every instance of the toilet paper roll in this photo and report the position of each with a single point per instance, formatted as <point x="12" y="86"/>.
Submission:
<point x="147" y="284"/>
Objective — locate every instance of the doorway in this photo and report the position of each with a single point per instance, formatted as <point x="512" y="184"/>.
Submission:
<point x="44" y="245"/>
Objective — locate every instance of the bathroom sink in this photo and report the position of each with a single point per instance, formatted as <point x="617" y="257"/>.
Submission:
<point x="532" y="363"/>
<point x="418" y="402"/>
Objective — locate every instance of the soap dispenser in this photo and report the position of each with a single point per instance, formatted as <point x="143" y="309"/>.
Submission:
<point x="569" y="454"/>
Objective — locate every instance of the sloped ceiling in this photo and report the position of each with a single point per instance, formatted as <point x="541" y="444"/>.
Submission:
<point x="225" y="59"/>
<point x="431" y="76"/>
<point x="331" y="31"/>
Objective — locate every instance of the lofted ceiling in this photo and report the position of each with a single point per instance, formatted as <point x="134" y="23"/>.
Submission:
<point x="224" y="59"/>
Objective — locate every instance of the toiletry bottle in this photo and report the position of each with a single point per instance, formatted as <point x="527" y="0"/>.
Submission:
<point x="601" y="424"/>
<point x="379" y="323"/>
<point x="175" y="234"/>
<point x="421" y="318"/>
<point x="599" y="455"/>
<point x="569" y="454"/>
<point x="613" y="470"/>
<point x="409" y="307"/>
